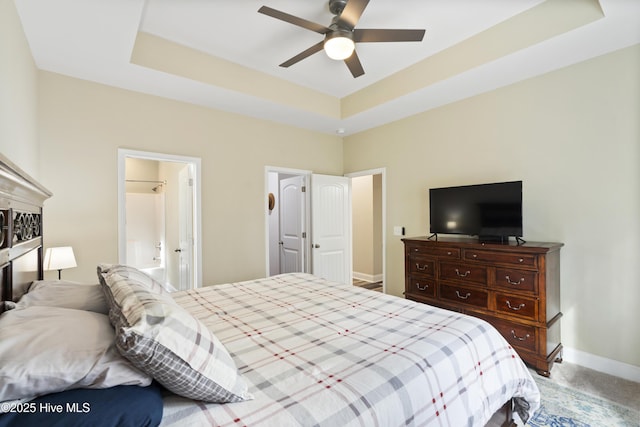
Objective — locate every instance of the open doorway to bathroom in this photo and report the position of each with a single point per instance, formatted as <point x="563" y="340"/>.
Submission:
<point x="159" y="216"/>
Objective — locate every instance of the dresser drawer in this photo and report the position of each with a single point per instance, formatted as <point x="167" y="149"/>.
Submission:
<point x="526" y="308"/>
<point x="463" y="295"/>
<point x="516" y="288"/>
<point x="516" y="280"/>
<point x="519" y="336"/>
<point x="466" y="273"/>
<point x="501" y="257"/>
<point x="421" y="286"/>
<point x="437" y="251"/>
<point x="422" y="265"/>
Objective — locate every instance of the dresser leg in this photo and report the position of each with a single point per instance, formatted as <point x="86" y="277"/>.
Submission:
<point x="543" y="368"/>
<point x="543" y="373"/>
<point x="559" y="357"/>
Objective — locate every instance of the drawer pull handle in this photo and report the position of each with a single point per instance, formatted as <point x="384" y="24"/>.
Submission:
<point x="520" y="307"/>
<point x="423" y="288"/>
<point x="513" y="334"/>
<point x="465" y="274"/>
<point x="520" y="260"/>
<point x="512" y="282"/>
<point x="448" y="252"/>
<point x="467" y="295"/>
<point x="474" y="256"/>
<point x="423" y="268"/>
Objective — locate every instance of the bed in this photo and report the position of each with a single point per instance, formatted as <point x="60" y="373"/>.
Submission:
<point x="286" y="350"/>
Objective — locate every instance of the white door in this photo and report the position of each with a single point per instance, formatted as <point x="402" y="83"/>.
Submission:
<point x="185" y="231"/>
<point x="331" y="227"/>
<point x="291" y="224"/>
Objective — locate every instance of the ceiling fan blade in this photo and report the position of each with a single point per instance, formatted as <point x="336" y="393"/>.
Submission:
<point x="304" y="54"/>
<point x="353" y="62"/>
<point x="384" y="35"/>
<point x="351" y="13"/>
<point x="321" y="29"/>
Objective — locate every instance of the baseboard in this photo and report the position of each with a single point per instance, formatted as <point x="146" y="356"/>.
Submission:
<point x="367" y="277"/>
<point x="602" y="364"/>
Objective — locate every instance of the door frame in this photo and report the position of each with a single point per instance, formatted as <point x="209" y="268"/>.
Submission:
<point x="195" y="163"/>
<point x="383" y="173"/>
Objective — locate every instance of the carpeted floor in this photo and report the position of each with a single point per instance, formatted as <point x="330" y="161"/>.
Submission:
<point x="578" y="396"/>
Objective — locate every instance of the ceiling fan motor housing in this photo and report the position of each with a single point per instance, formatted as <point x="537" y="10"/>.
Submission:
<point x="337" y="6"/>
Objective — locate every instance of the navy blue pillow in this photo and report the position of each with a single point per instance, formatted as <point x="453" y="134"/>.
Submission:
<point x="125" y="405"/>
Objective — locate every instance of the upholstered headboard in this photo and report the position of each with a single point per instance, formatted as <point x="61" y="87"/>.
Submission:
<point x="21" y="200"/>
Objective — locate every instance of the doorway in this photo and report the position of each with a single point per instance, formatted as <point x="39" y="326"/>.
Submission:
<point x="287" y="218"/>
<point x="369" y="237"/>
<point x="274" y="222"/>
<point x="159" y="216"/>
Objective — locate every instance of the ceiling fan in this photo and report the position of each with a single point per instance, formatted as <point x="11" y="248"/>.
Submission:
<point x="341" y="35"/>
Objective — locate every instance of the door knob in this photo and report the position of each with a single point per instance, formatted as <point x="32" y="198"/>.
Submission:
<point x="316" y="246"/>
<point x="178" y="250"/>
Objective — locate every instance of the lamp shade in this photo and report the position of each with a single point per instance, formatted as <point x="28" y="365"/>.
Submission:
<point x="59" y="258"/>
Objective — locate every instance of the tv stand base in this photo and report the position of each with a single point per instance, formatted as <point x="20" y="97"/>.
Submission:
<point x="502" y="240"/>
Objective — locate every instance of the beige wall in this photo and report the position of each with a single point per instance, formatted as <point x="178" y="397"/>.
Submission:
<point x="573" y="137"/>
<point x="367" y="226"/>
<point x="18" y="93"/>
<point x="362" y="213"/>
<point x="83" y="124"/>
<point x="141" y="170"/>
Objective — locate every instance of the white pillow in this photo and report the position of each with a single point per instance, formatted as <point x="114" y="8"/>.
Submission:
<point x="65" y="294"/>
<point x="49" y="349"/>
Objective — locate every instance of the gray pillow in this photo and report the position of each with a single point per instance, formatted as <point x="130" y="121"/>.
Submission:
<point x="165" y="341"/>
<point x="65" y="294"/>
<point x="133" y="274"/>
<point x="51" y="349"/>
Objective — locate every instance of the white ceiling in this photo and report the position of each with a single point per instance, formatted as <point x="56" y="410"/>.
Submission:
<point x="93" y="40"/>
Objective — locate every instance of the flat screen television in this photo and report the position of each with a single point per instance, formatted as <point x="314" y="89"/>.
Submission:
<point x="493" y="212"/>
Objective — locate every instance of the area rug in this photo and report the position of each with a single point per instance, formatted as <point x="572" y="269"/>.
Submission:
<point x="567" y="407"/>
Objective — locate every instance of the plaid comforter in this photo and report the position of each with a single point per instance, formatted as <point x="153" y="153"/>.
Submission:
<point x="316" y="353"/>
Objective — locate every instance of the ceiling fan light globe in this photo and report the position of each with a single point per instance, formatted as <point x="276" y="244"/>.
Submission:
<point x="339" y="47"/>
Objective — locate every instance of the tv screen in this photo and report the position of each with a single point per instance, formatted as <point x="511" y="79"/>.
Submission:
<point x="485" y="210"/>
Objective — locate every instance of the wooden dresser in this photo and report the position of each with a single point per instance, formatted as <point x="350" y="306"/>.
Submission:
<point x="514" y="287"/>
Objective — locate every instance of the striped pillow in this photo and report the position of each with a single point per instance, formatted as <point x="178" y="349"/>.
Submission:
<point x="165" y="341"/>
<point x="134" y="274"/>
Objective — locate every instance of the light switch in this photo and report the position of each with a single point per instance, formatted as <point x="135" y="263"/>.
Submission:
<point x="398" y="230"/>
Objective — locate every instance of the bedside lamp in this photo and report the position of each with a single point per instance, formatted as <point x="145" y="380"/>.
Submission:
<point x="59" y="259"/>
